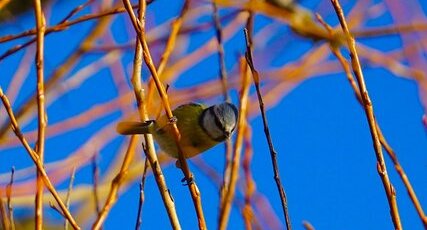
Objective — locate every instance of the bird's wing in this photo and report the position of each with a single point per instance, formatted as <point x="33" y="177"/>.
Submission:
<point x="188" y="108"/>
<point x="184" y="113"/>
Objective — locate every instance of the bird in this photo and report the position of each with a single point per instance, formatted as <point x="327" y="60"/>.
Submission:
<point x="201" y="128"/>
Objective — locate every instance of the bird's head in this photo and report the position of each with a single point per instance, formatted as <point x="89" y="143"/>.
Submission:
<point x="219" y="121"/>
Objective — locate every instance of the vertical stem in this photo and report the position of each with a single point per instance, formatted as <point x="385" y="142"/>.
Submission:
<point x="116" y="183"/>
<point x="95" y="177"/>
<point x="5" y="221"/>
<point x="226" y="202"/>
<point x="221" y="53"/>
<point x="141" y="196"/>
<point x="35" y="159"/>
<point x="273" y="152"/>
<point x="224" y="85"/>
<point x="68" y="197"/>
<point x="370" y="116"/>
<point x="248" y="212"/>
<point x="9" y="201"/>
<point x="42" y="116"/>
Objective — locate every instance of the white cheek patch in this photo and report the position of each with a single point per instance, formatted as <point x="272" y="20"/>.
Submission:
<point x="211" y="128"/>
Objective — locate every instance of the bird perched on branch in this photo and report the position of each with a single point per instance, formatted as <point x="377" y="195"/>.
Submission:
<point x="201" y="128"/>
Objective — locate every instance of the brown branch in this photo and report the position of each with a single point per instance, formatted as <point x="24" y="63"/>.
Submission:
<point x="384" y="143"/>
<point x="195" y="193"/>
<point x="75" y="11"/>
<point x="52" y="206"/>
<point x="42" y="115"/>
<point x="35" y="158"/>
<point x="65" y="24"/>
<point x="215" y="179"/>
<point x="60" y="72"/>
<point x="5" y="221"/>
<point x="101" y="48"/>
<point x="230" y="188"/>
<point x="141" y="195"/>
<point x="68" y="197"/>
<point x="404" y="178"/>
<point x="221" y="53"/>
<point x="224" y="85"/>
<point x="273" y="152"/>
<point x="95" y="178"/>
<point x="9" y="197"/>
<point x="75" y="122"/>
<point x="116" y="183"/>
<point x="307" y="225"/>
<point x="390" y="30"/>
<point x="248" y="211"/>
<point x="369" y="111"/>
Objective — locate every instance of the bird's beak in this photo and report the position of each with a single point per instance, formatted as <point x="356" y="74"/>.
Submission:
<point x="227" y="134"/>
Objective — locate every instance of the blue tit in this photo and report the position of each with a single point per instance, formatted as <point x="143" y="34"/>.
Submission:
<point x="201" y="128"/>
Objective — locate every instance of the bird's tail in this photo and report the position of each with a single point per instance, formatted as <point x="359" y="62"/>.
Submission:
<point x="134" y="127"/>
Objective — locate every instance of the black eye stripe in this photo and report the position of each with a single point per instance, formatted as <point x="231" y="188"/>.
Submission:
<point x="216" y="116"/>
<point x="218" y="139"/>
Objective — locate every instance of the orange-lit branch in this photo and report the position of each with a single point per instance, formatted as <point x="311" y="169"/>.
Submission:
<point x="42" y="116"/>
<point x="384" y="143"/>
<point x="36" y="160"/>
<point x="369" y="111"/>
<point x="230" y="188"/>
<point x="116" y="183"/>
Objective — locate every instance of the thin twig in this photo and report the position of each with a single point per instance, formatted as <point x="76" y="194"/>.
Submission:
<point x="65" y="24"/>
<point x="215" y="179"/>
<point x="68" y="197"/>
<point x="95" y="178"/>
<point x="390" y="30"/>
<point x="273" y="152"/>
<point x="369" y="111"/>
<point x="60" y="72"/>
<point x="35" y="159"/>
<point x="42" y="115"/>
<point x="307" y="225"/>
<point x="9" y="199"/>
<point x="116" y="183"/>
<point x="75" y="11"/>
<point x="225" y="206"/>
<point x="52" y="206"/>
<point x="248" y="211"/>
<point x="198" y="28"/>
<point x="224" y="85"/>
<point x="141" y="195"/>
<point x="383" y="141"/>
<point x="221" y="53"/>
<point x="139" y="27"/>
